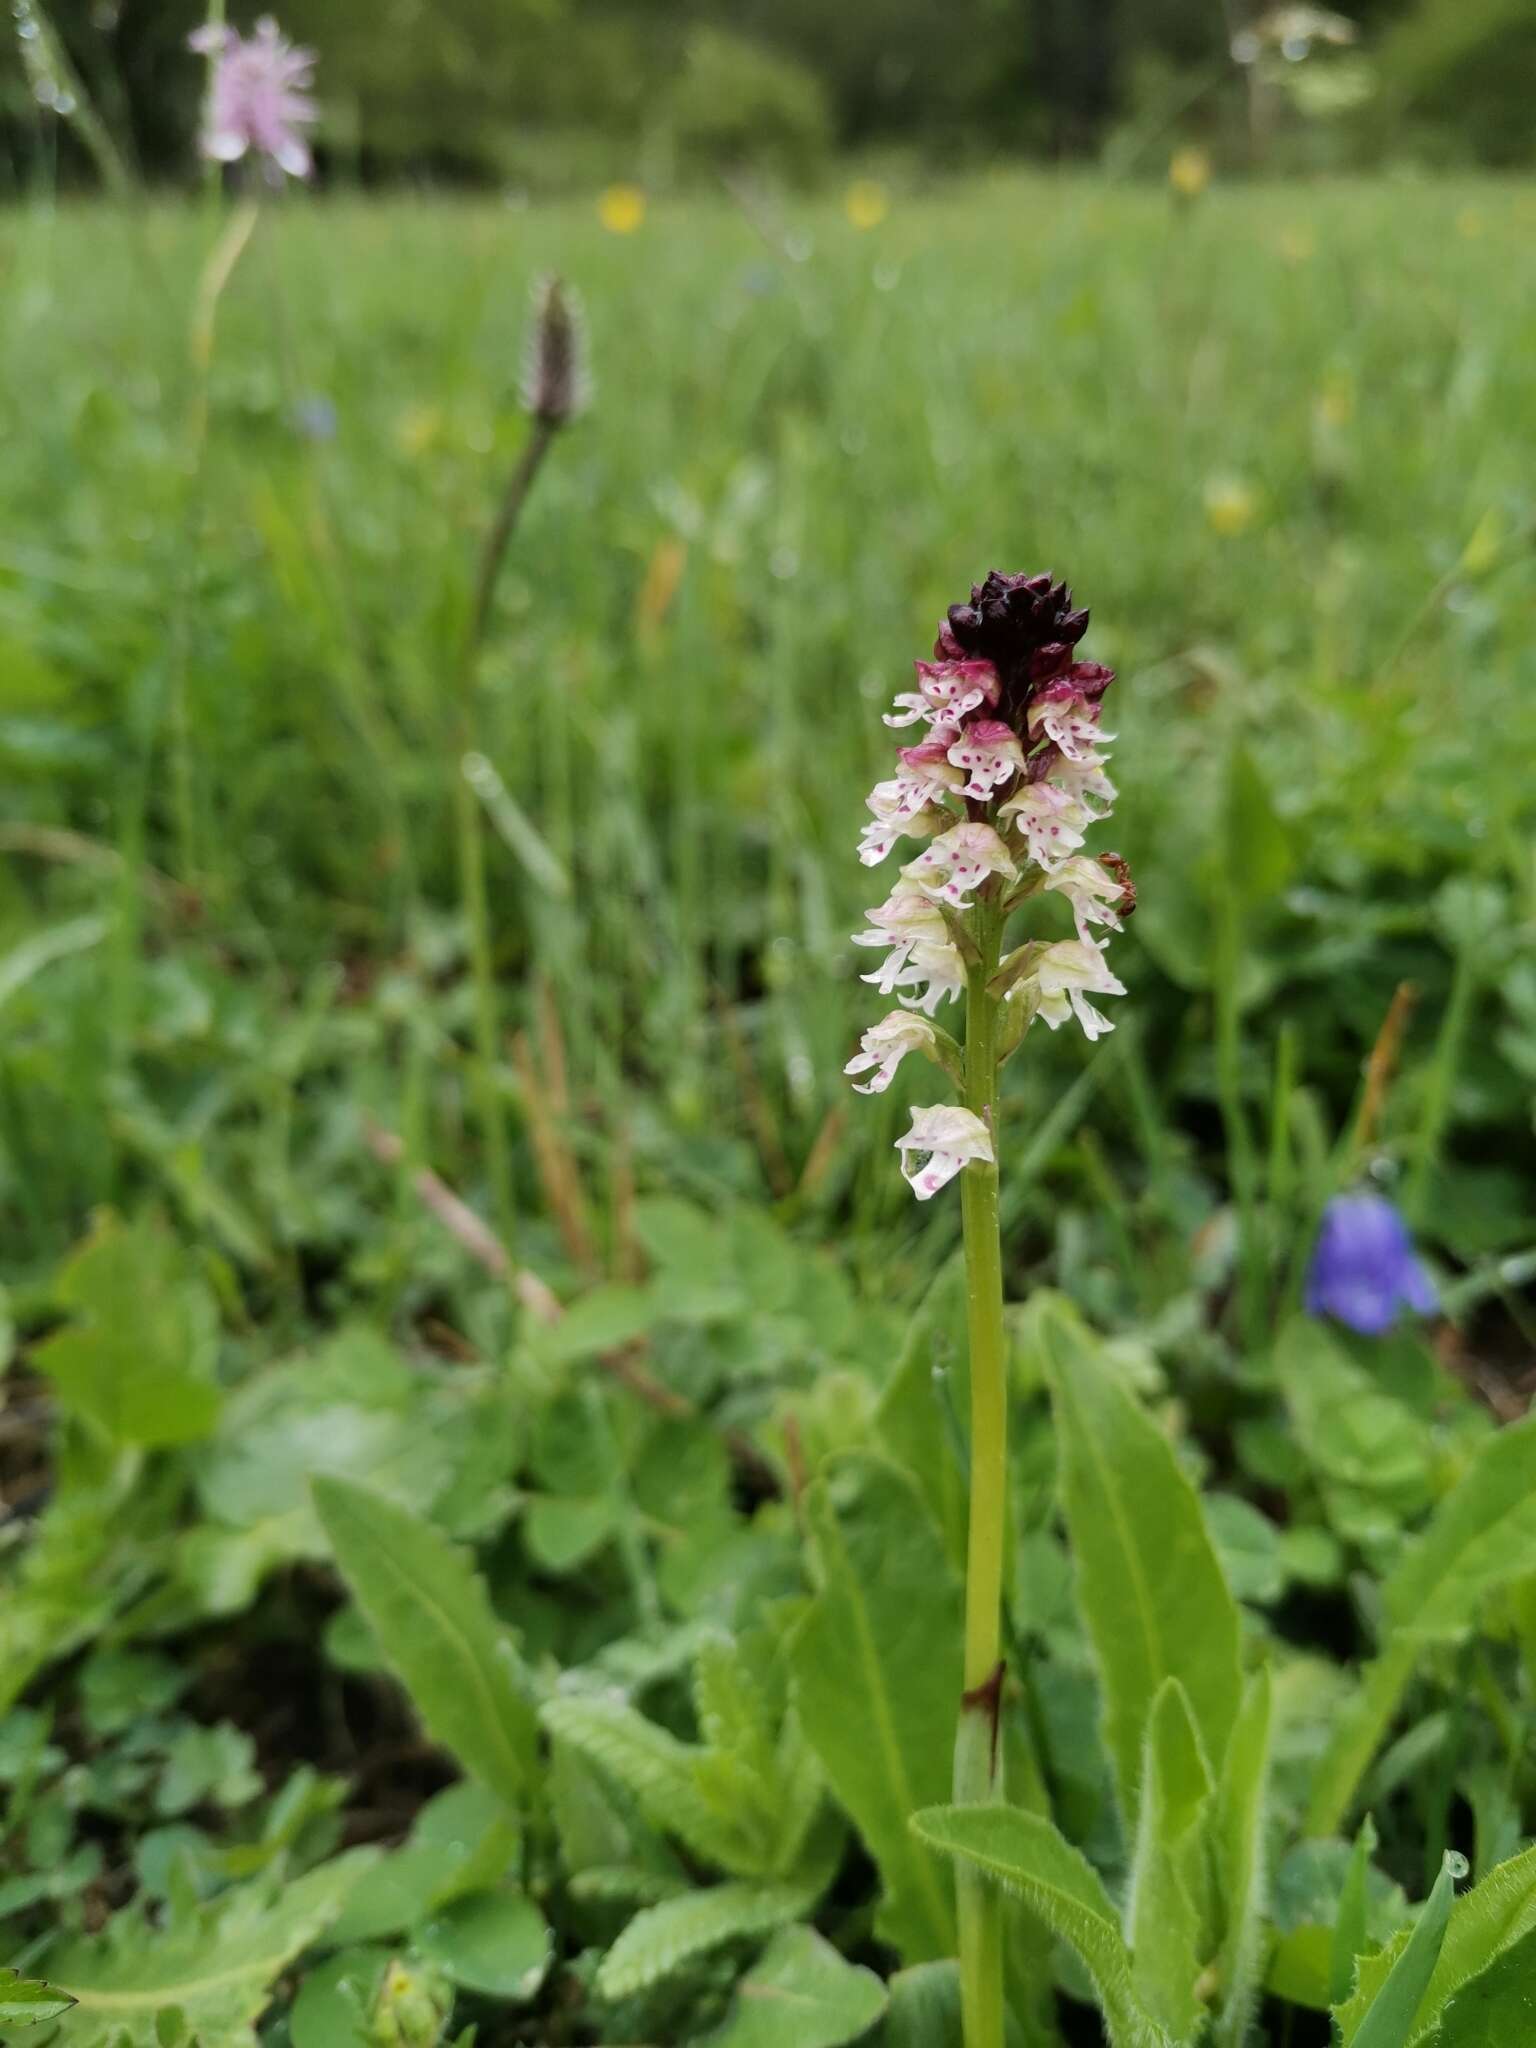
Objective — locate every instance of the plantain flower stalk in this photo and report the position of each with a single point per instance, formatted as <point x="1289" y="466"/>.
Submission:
<point x="1004" y="782"/>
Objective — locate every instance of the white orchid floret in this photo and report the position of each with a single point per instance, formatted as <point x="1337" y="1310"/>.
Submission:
<point x="940" y="1142"/>
<point x="1052" y="821"/>
<point x="885" y="1045"/>
<point x="907" y="918"/>
<point x="935" y="969"/>
<point x="1064" y="975"/>
<point x="990" y="752"/>
<point x="946" y="691"/>
<point x="881" y="834"/>
<point x="910" y="803"/>
<point x="1071" y="720"/>
<point x="1093" y="892"/>
<point x="959" y="861"/>
<point x="1086" y="782"/>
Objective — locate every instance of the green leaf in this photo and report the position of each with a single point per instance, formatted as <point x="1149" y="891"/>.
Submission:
<point x="1240" y="1826"/>
<point x="663" y="1938"/>
<point x="1485" y="1924"/>
<point x="1029" y="1856"/>
<point x="1349" y="1935"/>
<point x="924" y="2009"/>
<point x="1168" y="1905"/>
<point x="137" y="1359"/>
<point x="1481" y="1538"/>
<point x="495" y="1943"/>
<point x="24" y="2001"/>
<point x="334" y="2007"/>
<point x="801" y="1994"/>
<point x="1497" y="2009"/>
<point x="434" y="1622"/>
<point x="216" y="1963"/>
<point x="660" y="1773"/>
<point x="1395" y="2010"/>
<point x="876" y="1664"/>
<point x="1148" y="1581"/>
<point x="1256" y="857"/>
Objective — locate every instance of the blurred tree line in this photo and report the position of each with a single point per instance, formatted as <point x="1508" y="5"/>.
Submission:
<point x="559" y="92"/>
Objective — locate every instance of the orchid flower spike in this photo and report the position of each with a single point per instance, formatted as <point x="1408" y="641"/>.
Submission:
<point x="1004" y="780"/>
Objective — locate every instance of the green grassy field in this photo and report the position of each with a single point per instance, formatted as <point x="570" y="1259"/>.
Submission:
<point x="1279" y="441"/>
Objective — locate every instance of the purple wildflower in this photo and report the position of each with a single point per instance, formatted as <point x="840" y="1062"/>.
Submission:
<point x="1364" y="1269"/>
<point x="258" y="99"/>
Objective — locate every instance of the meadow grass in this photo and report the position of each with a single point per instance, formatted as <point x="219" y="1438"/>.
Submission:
<point x="1279" y="441"/>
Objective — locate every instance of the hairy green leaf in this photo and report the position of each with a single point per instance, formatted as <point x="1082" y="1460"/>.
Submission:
<point x="1393" y="2010"/>
<point x="1497" y="2009"/>
<point x="1168" y="1906"/>
<point x="1483" y="1926"/>
<point x="1240" y="1825"/>
<point x="434" y="1622"/>
<point x="663" y="1938"/>
<point x="1149" y="1583"/>
<point x="659" y="1772"/>
<point x="1029" y="1856"/>
<point x="214" y="1964"/>
<point x="876" y="1664"/>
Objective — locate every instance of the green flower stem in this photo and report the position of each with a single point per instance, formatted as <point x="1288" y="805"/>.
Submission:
<point x="978" y="1773"/>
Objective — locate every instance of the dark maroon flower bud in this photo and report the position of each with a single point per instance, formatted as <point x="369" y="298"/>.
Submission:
<point x="1026" y="627"/>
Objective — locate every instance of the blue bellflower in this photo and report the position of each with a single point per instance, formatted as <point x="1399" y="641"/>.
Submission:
<point x="1364" y="1269"/>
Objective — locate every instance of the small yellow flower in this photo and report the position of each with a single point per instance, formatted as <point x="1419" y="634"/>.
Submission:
<point x="419" y="429"/>
<point x="1230" y="505"/>
<point x="1189" y="172"/>
<point x="866" y="203"/>
<point x="1298" y="245"/>
<point x="1336" y="400"/>
<point x="621" y="209"/>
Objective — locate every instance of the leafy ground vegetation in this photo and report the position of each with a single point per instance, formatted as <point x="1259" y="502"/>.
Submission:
<point x="482" y="1535"/>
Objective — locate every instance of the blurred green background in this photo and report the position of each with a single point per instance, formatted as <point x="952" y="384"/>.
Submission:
<point x="554" y="93"/>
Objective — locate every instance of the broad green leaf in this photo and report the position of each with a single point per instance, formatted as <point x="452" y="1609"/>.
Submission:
<point x="924" y="2010"/>
<point x="1481" y="1538"/>
<point x="1497" y="2009"/>
<point x="136" y="1361"/>
<point x="1030" y="1857"/>
<point x="24" y="2001"/>
<point x="215" y="1964"/>
<point x="493" y="1942"/>
<point x="1148" y="1581"/>
<point x="347" y="1410"/>
<point x="1168" y="1905"/>
<point x="876" y="1664"/>
<point x="1394" y="2010"/>
<point x="663" y="1938"/>
<point x="334" y="2007"/>
<point x="1484" y="1925"/>
<point x="434" y="1622"/>
<point x="1240" y="1823"/>
<point x="800" y="1993"/>
<point x="460" y="1842"/>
